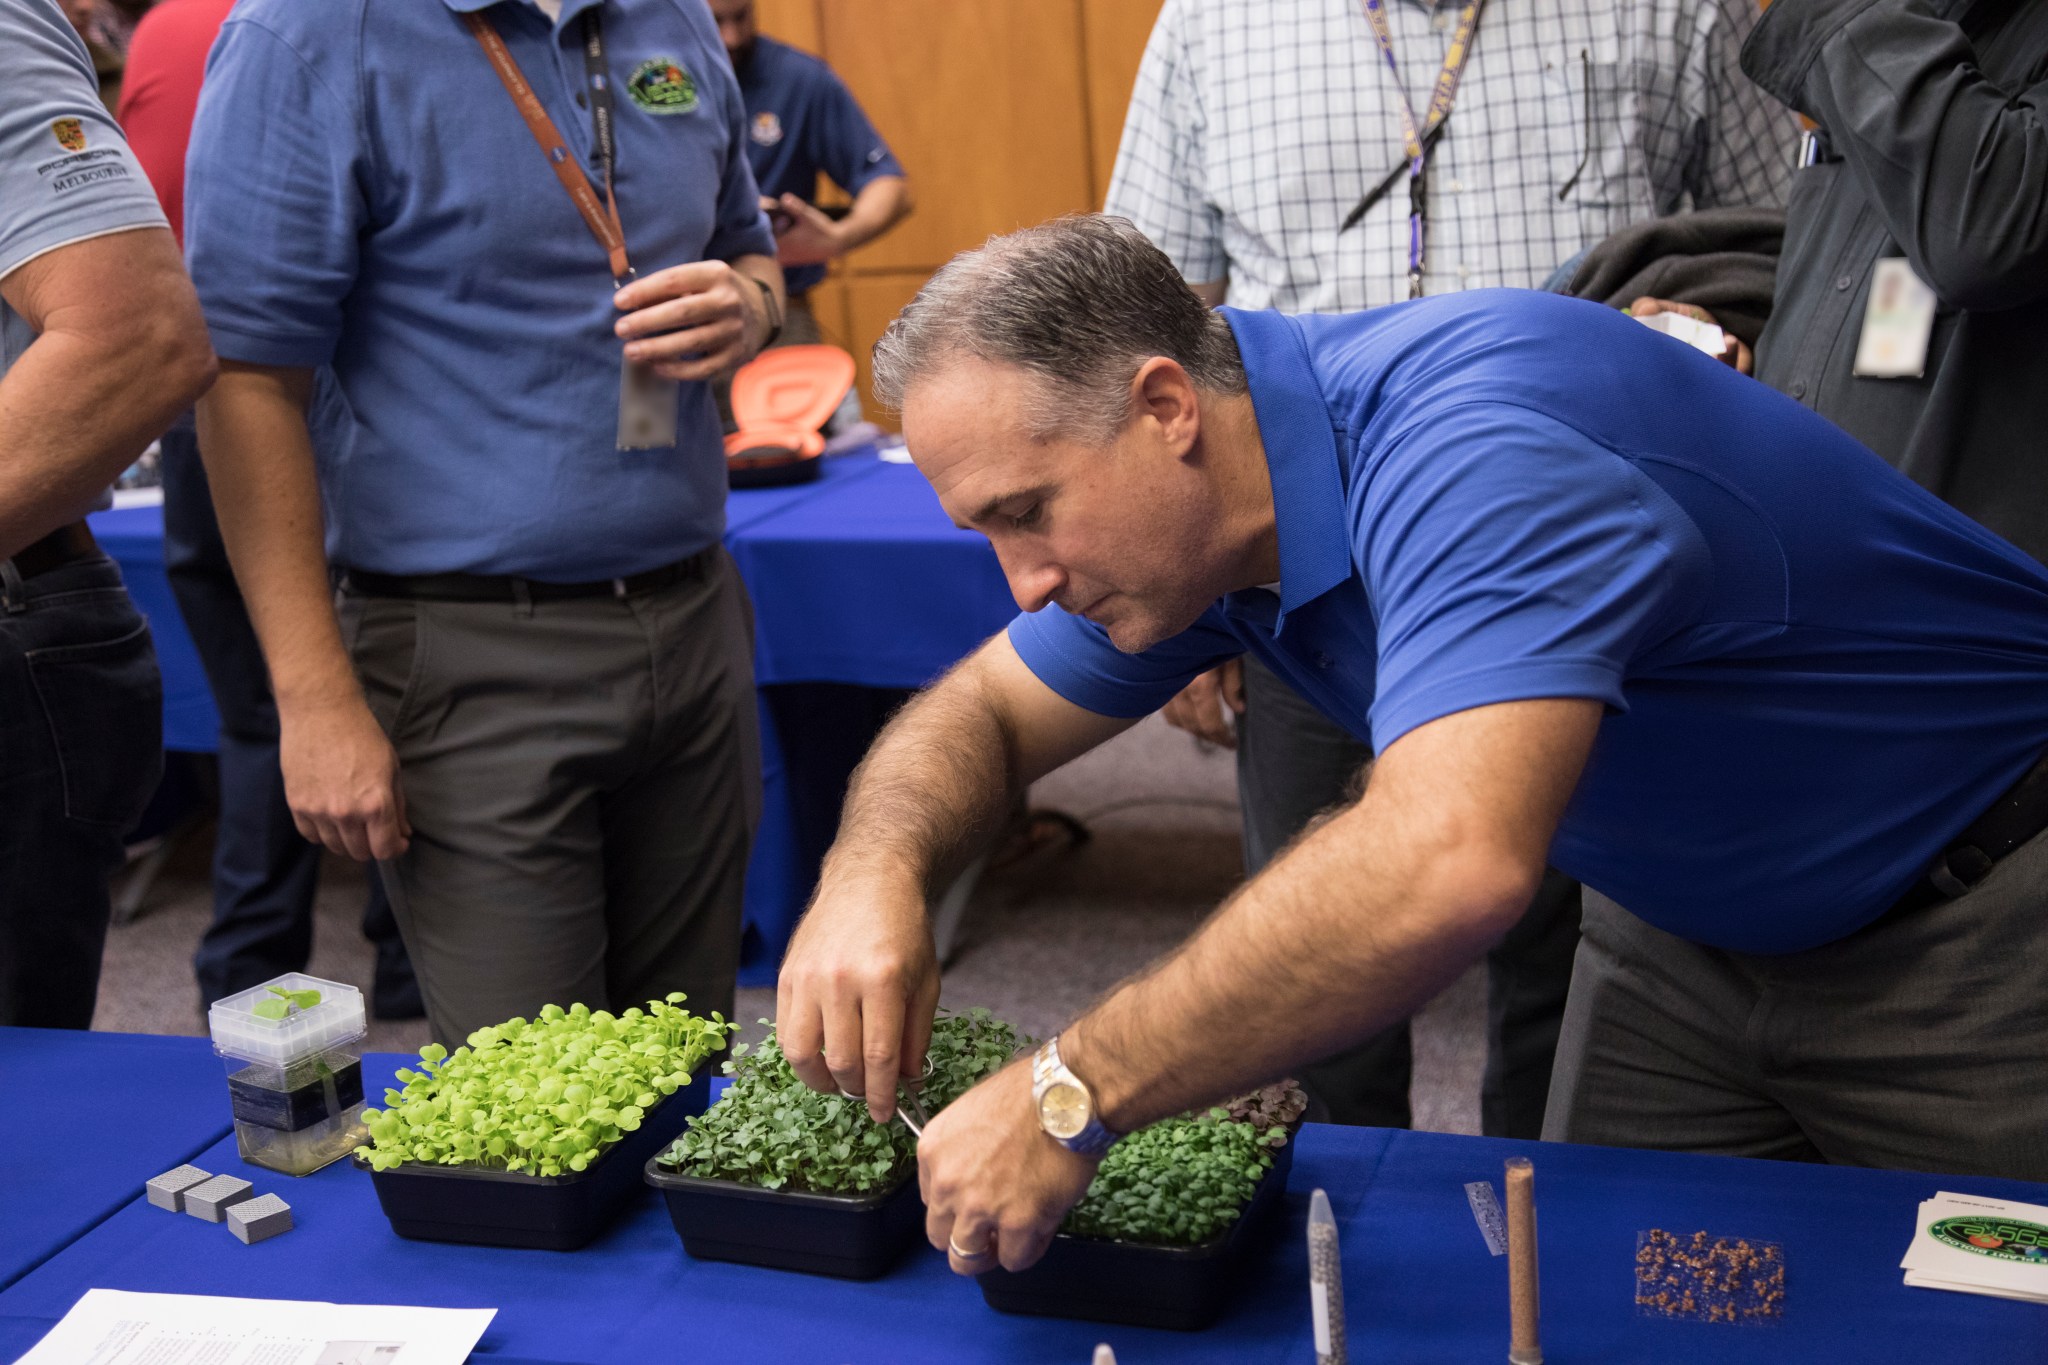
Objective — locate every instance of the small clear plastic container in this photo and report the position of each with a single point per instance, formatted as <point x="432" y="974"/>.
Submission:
<point x="295" y="1084"/>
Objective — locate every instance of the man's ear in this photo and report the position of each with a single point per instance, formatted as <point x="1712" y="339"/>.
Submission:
<point x="1165" y="397"/>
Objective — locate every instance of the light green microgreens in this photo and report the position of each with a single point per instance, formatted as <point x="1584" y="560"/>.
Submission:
<point x="284" y="1002"/>
<point x="547" y="1097"/>
<point x="772" y="1130"/>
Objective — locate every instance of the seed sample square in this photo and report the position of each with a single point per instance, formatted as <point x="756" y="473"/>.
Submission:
<point x="1700" y="1277"/>
<point x="167" y="1191"/>
<point x="255" y="1220"/>
<point x="212" y="1200"/>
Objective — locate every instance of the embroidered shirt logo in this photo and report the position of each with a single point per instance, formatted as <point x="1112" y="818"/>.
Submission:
<point x="766" y="129"/>
<point x="70" y="134"/>
<point x="660" y="85"/>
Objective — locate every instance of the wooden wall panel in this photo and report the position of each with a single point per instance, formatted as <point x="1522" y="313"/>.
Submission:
<point x="1113" y="34"/>
<point x="793" y="21"/>
<point x="872" y="302"/>
<point x="984" y="102"/>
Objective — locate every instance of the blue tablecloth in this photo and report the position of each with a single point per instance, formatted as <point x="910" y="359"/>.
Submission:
<point x="1419" y="1284"/>
<point x="88" y="1118"/>
<point x="869" y="583"/>
<point x="857" y="578"/>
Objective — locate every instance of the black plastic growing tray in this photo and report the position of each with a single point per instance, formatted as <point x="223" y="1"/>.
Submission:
<point x="855" y="1237"/>
<point x="513" y="1209"/>
<point x="1181" y="1288"/>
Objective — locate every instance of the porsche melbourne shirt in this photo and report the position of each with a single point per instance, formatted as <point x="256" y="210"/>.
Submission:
<point x="1815" y="673"/>
<point x="363" y="198"/>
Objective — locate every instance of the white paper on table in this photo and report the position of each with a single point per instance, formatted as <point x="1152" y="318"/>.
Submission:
<point x="1931" y="1264"/>
<point x="115" y="1327"/>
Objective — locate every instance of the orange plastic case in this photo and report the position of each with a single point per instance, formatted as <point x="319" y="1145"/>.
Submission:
<point x="780" y="399"/>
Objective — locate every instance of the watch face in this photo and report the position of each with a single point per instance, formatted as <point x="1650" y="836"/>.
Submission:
<point x="1063" y="1110"/>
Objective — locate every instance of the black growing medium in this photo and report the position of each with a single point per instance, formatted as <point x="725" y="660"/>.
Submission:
<point x="850" y="1236"/>
<point x="1177" y="1288"/>
<point x="513" y="1209"/>
<point x="315" y="1092"/>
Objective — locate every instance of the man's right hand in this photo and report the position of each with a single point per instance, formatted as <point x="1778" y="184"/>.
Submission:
<point x="341" y="780"/>
<point x="858" y="990"/>
<point x="1199" y="707"/>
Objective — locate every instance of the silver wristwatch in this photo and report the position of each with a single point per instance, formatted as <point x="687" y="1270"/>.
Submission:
<point x="1066" y="1107"/>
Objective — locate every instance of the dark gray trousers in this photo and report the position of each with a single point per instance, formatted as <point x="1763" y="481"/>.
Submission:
<point x="583" y="780"/>
<point x="1919" y="1042"/>
<point x="1293" y="763"/>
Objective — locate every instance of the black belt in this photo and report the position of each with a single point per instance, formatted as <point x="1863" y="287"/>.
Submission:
<point x="2010" y="821"/>
<point x="471" y="587"/>
<point x="65" y="545"/>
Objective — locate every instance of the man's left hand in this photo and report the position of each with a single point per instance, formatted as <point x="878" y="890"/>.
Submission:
<point x="804" y="234"/>
<point x="692" y="321"/>
<point x="993" y="1182"/>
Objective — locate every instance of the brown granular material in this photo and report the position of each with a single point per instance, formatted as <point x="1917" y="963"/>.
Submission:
<point x="1699" y="1277"/>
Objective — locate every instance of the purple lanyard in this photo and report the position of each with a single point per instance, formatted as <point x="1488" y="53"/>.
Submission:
<point x="1418" y="139"/>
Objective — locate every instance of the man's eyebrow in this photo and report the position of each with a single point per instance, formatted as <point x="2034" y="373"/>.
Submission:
<point x="994" y="504"/>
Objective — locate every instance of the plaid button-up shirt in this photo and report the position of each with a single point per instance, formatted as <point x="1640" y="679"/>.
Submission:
<point x="1256" y="127"/>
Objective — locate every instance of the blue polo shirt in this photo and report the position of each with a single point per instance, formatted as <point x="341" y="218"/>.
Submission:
<point x="801" y="119"/>
<point x="1815" y="673"/>
<point x="363" y="197"/>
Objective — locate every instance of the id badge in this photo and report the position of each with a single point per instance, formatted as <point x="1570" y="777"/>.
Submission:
<point x="1897" y="324"/>
<point x="647" y="408"/>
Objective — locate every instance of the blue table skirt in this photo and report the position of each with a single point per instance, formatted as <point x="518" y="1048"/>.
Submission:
<point x="87" y="1118"/>
<point x="1419" y="1284"/>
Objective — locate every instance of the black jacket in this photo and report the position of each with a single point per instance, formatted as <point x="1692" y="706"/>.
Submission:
<point x="1937" y="114"/>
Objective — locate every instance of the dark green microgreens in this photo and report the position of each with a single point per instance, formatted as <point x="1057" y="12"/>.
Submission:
<point x="772" y="1130"/>
<point x="284" y="1002"/>
<point x="1179" y="1182"/>
<point x="546" y="1097"/>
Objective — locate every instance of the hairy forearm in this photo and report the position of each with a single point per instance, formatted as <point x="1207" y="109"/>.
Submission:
<point x="1353" y="929"/>
<point x="259" y="461"/>
<point x="1356" y="925"/>
<point x="881" y="204"/>
<point x="78" y="407"/>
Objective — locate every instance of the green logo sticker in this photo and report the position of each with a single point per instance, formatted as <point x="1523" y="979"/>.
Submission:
<point x="2002" y="1239"/>
<point x="660" y="85"/>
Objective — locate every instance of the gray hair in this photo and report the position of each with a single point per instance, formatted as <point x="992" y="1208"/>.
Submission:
<point x="1081" y="302"/>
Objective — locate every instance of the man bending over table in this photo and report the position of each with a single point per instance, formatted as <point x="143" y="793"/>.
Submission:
<point x="1596" y="598"/>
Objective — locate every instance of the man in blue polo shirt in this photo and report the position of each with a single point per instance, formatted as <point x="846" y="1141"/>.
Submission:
<point x="1596" y="599"/>
<point x="470" y="266"/>
<point x="801" y="120"/>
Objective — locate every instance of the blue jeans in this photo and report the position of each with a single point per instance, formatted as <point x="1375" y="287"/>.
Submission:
<point x="81" y="749"/>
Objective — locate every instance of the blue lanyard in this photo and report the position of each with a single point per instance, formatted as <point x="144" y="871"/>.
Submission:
<point x="1418" y="138"/>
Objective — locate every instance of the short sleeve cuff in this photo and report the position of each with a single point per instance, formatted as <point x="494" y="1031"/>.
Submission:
<point x="1037" y="644"/>
<point x="249" y="347"/>
<point x="872" y="171"/>
<point x="1395" y="713"/>
<point x="755" y="240"/>
<point x="59" y="230"/>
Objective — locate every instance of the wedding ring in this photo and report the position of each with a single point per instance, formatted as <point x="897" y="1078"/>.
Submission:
<point x="964" y="1254"/>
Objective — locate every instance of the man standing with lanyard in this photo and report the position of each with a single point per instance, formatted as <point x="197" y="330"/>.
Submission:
<point x="471" y="266"/>
<point x="1285" y="156"/>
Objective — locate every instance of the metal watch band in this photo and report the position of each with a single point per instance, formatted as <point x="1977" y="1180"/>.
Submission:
<point x="1046" y="1070"/>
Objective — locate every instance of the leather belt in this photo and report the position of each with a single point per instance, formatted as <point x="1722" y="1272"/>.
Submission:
<point x="2010" y="821"/>
<point x="65" y="545"/>
<point x="469" y="587"/>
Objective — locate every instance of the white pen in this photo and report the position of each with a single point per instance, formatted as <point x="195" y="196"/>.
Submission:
<point x="1325" y="1281"/>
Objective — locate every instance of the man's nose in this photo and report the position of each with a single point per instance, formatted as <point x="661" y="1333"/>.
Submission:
<point x="1032" y="583"/>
